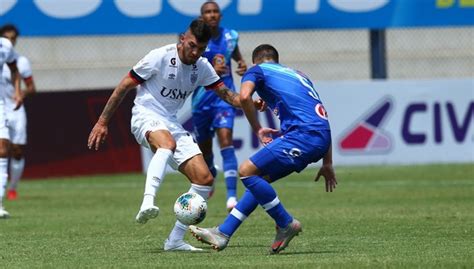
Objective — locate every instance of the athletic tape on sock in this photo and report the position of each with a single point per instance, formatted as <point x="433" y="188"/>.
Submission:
<point x="271" y="204"/>
<point x="239" y="215"/>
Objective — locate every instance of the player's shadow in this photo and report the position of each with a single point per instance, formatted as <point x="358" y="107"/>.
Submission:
<point x="305" y="252"/>
<point x="162" y="251"/>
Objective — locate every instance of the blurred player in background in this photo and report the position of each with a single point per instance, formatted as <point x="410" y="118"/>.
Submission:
<point x="305" y="138"/>
<point x="210" y="113"/>
<point x="8" y="56"/>
<point x="164" y="78"/>
<point x="16" y="118"/>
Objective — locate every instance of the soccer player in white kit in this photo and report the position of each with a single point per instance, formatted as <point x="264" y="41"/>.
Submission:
<point x="8" y="56"/>
<point x="16" y="118"/>
<point x="164" y="78"/>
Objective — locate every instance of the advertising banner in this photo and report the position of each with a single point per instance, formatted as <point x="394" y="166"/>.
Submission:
<point x="107" y="17"/>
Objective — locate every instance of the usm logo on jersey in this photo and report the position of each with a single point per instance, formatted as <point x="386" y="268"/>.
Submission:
<point x="173" y="93"/>
<point x="366" y="135"/>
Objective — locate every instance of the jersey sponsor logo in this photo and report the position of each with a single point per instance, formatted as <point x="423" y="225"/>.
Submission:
<point x="173" y="61"/>
<point x="171" y="76"/>
<point x="321" y="111"/>
<point x="173" y="93"/>
<point x="367" y="135"/>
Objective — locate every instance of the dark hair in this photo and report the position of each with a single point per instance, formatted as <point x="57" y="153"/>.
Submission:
<point x="200" y="30"/>
<point x="209" y="2"/>
<point x="265" y="51"/>
<point x="7" y="28"/>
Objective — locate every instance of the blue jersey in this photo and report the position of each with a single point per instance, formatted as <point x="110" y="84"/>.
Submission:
<point x="290" y="94"/>
<point x="218" y="51"/>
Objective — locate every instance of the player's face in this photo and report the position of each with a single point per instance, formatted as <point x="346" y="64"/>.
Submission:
<point x="11" y="36"/>
<point x="211" y="14"/>
<point x="190" y="49"/>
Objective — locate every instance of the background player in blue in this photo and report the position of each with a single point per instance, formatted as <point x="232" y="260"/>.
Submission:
<point x="212" y="115"/>
<point x="305" y="138"/>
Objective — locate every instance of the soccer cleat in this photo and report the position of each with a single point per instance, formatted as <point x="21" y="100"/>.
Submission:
<point x="179" y="245"/>
<point x="210" y="236"/>
<point x="147" y="214"/>
<point x="231" y="203"/>
<point x="3" y="213"/>
<point x="12" y="195"/>
<point x="284" y="236"/>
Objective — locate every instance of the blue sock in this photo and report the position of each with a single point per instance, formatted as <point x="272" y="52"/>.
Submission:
<point x="268" y="199"/>
<point x="210" y="163"/>
<point x="239" y="213"/>
<point x="230" y="170"/>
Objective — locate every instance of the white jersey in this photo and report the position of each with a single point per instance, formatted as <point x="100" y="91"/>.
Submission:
<point x="24" y="68"/>
<point x="167" y="81"/>
<point x="7" y="55"/>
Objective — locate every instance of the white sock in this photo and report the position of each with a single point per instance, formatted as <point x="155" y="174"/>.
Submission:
<point x="16" y="171"/>
<point x="179" y="229"/>
<point x="3" y="178"/>
<point x="155" y="175"/>
<point x="201" y="190"/>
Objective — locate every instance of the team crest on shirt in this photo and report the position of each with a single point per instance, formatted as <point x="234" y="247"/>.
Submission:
<point x="194" y="77"/>
<point x="171" y="76"/>
<point x="218" y="59"/>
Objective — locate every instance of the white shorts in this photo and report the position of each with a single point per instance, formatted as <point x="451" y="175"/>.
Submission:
<point x="4" y="133"/>
<point x="16" y="123"/>
<point x="145" y="120"/>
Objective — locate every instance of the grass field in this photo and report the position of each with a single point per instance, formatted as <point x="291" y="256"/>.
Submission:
<point x="379" y="217"/>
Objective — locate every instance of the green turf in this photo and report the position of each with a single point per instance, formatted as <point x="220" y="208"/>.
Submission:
<point x="378" y="217"/>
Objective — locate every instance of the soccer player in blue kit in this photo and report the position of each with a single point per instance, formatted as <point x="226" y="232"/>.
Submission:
<point x="211" y="114"/>
<point x="305" y="138"/>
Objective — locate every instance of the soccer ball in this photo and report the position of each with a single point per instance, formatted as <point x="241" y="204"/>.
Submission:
<point x="190" y="208"/>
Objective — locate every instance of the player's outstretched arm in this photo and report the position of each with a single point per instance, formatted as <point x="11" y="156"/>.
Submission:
<point x="100" y="130"/>
<point x="16" y="81"/>
<point x="249" y="106"/>
<point x="228" y="95"/>
<point x="233" y="98"/>
<point x="327" y="171"/>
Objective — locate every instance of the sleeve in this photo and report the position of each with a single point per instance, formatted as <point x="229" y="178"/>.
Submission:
<point x="24" y="67"/>
<point x="254" y="74"/>
<point x="235" y="38"/>
<point x="210" y="78"/>
<point x="147" y="66"/>
<point x="12" y="56"/>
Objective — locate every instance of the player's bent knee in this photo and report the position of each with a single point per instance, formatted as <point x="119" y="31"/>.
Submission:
<point x="205" y="180"/>
<point x="247" y="169"/>
<point x="161" y="139"/>
<point x="4" y="148"/>
<point x="16" y="152"/>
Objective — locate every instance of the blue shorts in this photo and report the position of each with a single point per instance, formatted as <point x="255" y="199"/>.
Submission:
<point x="207" y="121"/>
<point x="291" y="152"/>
